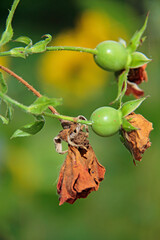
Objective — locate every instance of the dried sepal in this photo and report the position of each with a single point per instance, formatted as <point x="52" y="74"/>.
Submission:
<point x="137" y="141"/>
<point x="73" y="134"/>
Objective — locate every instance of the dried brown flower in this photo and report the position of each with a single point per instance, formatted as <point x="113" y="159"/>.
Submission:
<point x="137" y="141"/>
<point x="135" y="77"/>
<point x="81" y="172"/>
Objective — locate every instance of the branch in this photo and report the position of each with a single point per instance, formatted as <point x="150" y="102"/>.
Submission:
<point x="32" y="89"/>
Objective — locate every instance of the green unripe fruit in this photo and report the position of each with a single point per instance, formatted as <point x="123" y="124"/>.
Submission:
<point x="106" y="121"/>
<point x="111" y="56"/>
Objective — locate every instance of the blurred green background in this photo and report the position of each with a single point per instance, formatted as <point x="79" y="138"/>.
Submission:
<point x="127" y="204"/>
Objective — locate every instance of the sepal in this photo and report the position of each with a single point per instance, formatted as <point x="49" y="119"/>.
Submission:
<point x="127" y="126"/>
<point x="136" y="39"/>
<point x="131" y="106"/>
<point x="138" y="59"/>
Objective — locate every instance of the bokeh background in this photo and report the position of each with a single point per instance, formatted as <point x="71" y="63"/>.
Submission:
<point x="127" y="204"/>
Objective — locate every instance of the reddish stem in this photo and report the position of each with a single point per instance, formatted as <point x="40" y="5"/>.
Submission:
<point x="32" y="89"/>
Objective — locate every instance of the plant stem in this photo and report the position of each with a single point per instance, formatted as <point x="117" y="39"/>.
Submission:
<point x="58" y="116"/>
<point x="53" y="110"/>
<point x="13" y="102"/>
<point x="69" y="48"/>
<point x="4" y="54"/>
<point x="71" y="119"/>
<point x="124" y="88"/>
<point x="57" y="48"/>
<point x="21" y="80"/>
<point x="32" y="89"/>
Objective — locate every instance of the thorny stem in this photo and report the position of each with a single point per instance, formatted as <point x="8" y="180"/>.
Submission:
<point x="21" y="80"/>
<point x="58" y="116"/>
<point x="53" y="110"/>
<point x="32" y="89"/>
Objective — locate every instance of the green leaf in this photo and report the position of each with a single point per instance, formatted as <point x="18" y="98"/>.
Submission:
<point x="18" y="52"/>
<point x="127" y="126"/>
<point x="122" y="82"/>
<point x="41" y="45"/>
<point x="130" y="106"/>
<point x="138" y="60"/>
<point x="3" y="85"/>
<point x="4" y="119"/>
<point x="42" y="103"/>
<point x="9" y="112"/>
<point x="8" y="115"/>
<point x="8" y="33"/>
<point x="29" y="129"/>
<point x="136" y="39"/>
<point x="24" y="39"/>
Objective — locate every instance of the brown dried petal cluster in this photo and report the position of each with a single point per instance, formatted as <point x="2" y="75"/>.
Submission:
<point x="80" y="174"/>
<point x="137" y="141"/>
<point x="135" y="77"/>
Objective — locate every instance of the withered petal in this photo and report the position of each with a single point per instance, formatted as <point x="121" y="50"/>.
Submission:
<point x="135" y="77"/>
<point x="138" y="75"/>
<point x="132" y="88"/>
<point x="96" y="170"/>
<point x="80" y="174"/>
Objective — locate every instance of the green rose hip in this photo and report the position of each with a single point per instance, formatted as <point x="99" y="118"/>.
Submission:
<point x="111" y="56"/>
<point x="106" y="121"/>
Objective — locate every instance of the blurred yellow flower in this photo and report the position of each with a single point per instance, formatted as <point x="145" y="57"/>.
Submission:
<point x="3" y="61"/>
<point x="74" y="75"/>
